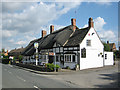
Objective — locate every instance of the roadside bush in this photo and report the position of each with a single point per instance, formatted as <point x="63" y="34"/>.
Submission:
<point x="51" y="66"/>
<point x="5" y="61"/>
<point x="67" y="67"/>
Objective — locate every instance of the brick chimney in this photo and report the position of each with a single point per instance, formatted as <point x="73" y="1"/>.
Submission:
<point x="73" y="22"/>
<point x="7" y="51"/>
<point x="91" y="23"/>
<point x="51" y="28"/>
<point x="43" y="33"/>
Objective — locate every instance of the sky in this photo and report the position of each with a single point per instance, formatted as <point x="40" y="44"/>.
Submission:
<point x="24" y="21"/>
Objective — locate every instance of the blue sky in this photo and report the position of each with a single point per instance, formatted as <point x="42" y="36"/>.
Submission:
<point x="23" y="22"/>
<point x="86" y="10"/>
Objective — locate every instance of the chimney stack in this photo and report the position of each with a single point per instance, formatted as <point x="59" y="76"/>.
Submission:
<point x="107" y="42"/>
<point x="7" y="51"/>
<point x="51" y="28"/>
<point x="91" y="23"/>
<point x="43" y="33"/>
<point x="73" y="22"/>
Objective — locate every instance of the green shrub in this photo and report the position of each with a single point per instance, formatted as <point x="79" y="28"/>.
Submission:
<point x="57" y="66"/>
<point x="5" y="61"/>
<point x="51" y="66"/>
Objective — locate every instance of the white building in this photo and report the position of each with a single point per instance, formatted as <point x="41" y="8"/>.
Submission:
<point x="72" y="46"/>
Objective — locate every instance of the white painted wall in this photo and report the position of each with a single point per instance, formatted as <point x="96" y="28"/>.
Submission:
<point x="109" y="60"/>
<point x="92" y="59"/>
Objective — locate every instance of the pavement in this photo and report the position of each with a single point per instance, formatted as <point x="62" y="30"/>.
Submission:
<point x="68" y="71"/>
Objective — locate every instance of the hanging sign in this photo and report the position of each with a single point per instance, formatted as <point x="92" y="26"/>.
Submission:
<point x="51" y="53"/>
<point x="35" y="45"/>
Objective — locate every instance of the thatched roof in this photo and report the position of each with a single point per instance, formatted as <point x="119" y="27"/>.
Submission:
<point x="62" y="37"/>
<point x="16" y="52"/>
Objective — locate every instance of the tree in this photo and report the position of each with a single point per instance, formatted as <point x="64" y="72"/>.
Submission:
<point x="3" y="50"/>
<point x="20" y="58"/>
<point x="117" y="54"/>
<point x="106" y="47"/>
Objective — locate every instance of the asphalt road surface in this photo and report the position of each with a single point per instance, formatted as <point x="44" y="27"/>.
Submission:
<point x="14" y="77"/>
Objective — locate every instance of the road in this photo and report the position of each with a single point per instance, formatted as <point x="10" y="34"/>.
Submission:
<point x="105" y="77"/>
<point x="14" y="77"/>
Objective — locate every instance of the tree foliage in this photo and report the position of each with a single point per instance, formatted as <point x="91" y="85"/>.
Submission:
<point x="117" y="54"/>
<point x="3" y="50"/>
<point x="20" y="58"/>
<point x="106" y="47"/>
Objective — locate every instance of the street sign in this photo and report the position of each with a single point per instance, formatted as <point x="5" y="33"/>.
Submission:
<point x="36" y="45"/>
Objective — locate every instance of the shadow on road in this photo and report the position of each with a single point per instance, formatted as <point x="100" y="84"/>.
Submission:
<point x="115" y="78"/>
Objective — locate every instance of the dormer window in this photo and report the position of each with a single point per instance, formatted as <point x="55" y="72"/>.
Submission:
<point x="88" y="42"/>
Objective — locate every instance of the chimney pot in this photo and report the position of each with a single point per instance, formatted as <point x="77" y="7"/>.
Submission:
<point x="73" y="22"/>
<point x="43" y="33"/>
<point x="51" y="28"/>
<point x="91" y="23"/>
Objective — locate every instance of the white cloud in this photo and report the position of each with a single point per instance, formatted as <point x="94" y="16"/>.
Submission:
<point x="99" y="23"/>
<point x="11" y="40"/>
<point x="21" y="42"/>
<point x="23" y="21"/>
<point x="108" y="35"/>
<point x="104" y="34"/>
<point x="35" y="16"/>
<point x="7" y="33"/>
<point x="86" y="25"/>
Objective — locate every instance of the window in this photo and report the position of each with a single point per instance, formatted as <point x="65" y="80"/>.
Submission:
<point x="73" y="58"/>
<point x="105" y="56"/>
<point x="61" y="49"/>
<point x="83" y="53"/>
<point x="88" y="42"/>
<point x="69" y="58"/>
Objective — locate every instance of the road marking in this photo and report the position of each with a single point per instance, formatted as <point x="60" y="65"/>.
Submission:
<point x="35" y="87"/>
<point x="9" y="71"/>
<point x="20" y="78"/>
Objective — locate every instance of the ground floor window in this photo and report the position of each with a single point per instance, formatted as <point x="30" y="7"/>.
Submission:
<point x="69" y="58"/>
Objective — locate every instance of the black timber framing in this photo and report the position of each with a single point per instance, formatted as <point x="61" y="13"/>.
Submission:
<point x="73" y="49"/>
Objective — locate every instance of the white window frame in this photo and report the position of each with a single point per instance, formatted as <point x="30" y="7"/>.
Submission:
<point x="70" y="56"/>
<point x="88" y="42"/>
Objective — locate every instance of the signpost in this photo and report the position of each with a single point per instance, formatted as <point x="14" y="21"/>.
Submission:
<point x="55" y="62"/>
<point x="36" y="47"/>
